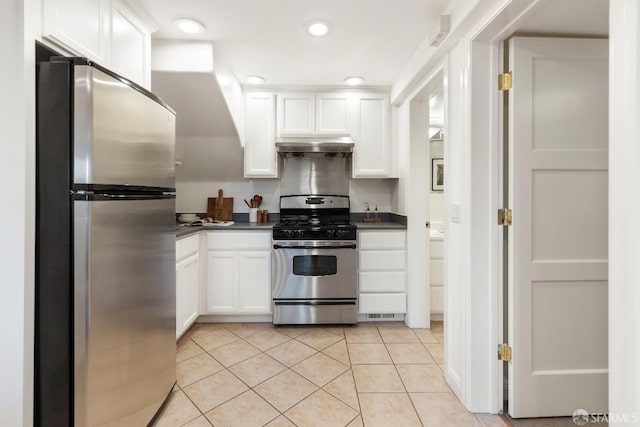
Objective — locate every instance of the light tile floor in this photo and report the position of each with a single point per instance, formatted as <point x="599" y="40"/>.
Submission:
<point x="372" y="374"/>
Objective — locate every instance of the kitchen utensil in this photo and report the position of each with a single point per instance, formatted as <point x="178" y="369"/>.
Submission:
<point x="247" y="203"/>
<point x="256" y="201"/>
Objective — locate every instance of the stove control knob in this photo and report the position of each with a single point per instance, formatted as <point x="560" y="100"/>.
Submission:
<point x="288" y="233"/>
<point x="340" y="233"/>
<point x="299" y="233"/>
<point x="330" y="233"/>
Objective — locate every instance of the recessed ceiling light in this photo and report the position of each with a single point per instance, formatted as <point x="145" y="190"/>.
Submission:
<point x="318" y="28"/>
<point x="189" y="26"/>
<point x="255" y="80"/>
<point x="353" y="80"/>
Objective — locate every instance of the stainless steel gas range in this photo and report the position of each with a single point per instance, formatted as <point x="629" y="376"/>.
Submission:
<point x="315" y="262"/>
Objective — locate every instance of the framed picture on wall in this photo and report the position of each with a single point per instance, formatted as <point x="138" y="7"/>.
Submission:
<point x="437" y="174"/>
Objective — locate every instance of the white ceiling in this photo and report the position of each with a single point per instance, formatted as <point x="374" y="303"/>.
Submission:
<point x="371" y="38"/>
<point x="568" y="17"/>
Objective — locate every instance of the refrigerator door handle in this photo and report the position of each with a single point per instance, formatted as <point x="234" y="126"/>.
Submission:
<point x="89" y="196"/>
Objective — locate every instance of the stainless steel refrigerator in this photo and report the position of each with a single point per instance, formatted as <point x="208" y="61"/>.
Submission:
<point x="105" y="248"/>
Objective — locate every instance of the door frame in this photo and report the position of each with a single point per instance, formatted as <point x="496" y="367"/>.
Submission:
<point x="485" y="197"/>
<point x="418" y="295"/>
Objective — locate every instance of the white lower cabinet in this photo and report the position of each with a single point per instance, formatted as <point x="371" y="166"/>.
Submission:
<point x="436" y="276"/>
<point x="382" y="272"/>
<point x="238" y="273"/>
<point x="187" y="282"/>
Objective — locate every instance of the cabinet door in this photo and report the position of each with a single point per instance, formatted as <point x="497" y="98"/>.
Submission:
<point x="130" y="45"/>
<point x="332" y="113"/>
<point x="81" y="26"/>
<point x="296" y="115"/>
<point x="222" y="282"/>
<point x="187" y="285"/>
<point x="371" y="135"/>
<point x="260" y="157"/>
<point x="255" y="282"/>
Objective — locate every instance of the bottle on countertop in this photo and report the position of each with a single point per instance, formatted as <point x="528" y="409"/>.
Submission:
<point x="367" y="211"/>
<point x="375" y="214"/>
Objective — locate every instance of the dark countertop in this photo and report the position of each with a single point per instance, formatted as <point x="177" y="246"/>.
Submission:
<point x="380" y="226"/>
<point x="182" y="231"/>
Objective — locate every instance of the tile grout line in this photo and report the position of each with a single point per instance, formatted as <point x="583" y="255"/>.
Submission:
<point x="402" y="382"/>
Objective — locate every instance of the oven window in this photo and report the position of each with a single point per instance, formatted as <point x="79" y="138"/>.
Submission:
<point x="315" y="265"/>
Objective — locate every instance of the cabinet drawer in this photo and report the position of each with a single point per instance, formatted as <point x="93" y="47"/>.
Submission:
<point x="382" y="260"/>
<point x="238" y="240"/>
<point x="187" y="246"/>
<point x="437" y="299"/>
<point x="436" y="272"/>
<point x="436" y="249"/>
<point x="382" y="281"/>
<point x="382" y="303"/>
<point x="381" y="240"/>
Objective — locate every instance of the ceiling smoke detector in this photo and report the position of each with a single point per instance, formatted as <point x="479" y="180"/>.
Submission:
<point x="318" y="28"/>
<point x="189" y="26"/>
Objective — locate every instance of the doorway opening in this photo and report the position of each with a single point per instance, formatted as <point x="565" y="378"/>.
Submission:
<point x="435" y="190"/>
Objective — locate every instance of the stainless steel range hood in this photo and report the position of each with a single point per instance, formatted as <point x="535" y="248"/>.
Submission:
<point x="314" y="144"/>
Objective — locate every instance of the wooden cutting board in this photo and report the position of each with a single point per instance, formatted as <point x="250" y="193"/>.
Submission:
<point x="220" y="208"/>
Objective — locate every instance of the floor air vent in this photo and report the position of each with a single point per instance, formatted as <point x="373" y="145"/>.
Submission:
<point x="381" y="316"/>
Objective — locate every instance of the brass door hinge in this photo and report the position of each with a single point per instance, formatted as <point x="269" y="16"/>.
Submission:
<point x="504" y="353"/>
<point x="505" y="216"/>
<point x="505" y="81"/>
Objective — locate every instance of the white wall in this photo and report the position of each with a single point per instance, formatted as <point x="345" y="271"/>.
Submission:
<point x="455" y="248"/>
<point x="399" y="188"/>
<point x="624" y="204"/>
<point x="192" y="196"/>
<point x="17" y="210"/>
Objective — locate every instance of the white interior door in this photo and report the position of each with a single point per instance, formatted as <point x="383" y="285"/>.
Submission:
<point x="558" y="142"/>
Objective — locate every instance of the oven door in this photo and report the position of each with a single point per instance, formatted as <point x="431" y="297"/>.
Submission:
<point x="316" y="271"/>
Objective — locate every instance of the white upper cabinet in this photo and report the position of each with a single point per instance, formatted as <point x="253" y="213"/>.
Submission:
<point x="362" y="115"/>
<point x="296" y="114"/>
<point x="310" y="114"/>
<point x="82" y="26"/>
<point x="130" y="45"/>
<point x="109" y="32"/>
<point x="260" y="157"/>
<point x="371" y="156"/>
<point x="333" y="112"/>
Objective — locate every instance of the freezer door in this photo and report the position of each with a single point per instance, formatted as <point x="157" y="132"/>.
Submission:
<point x="124" y="310"/>
<point x="121" y="136"/>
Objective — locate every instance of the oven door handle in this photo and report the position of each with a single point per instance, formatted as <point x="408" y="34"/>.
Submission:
<point x="351" y="246"/>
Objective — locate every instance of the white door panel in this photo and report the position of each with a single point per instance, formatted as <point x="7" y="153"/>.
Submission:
<point x="558" y="182"/>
